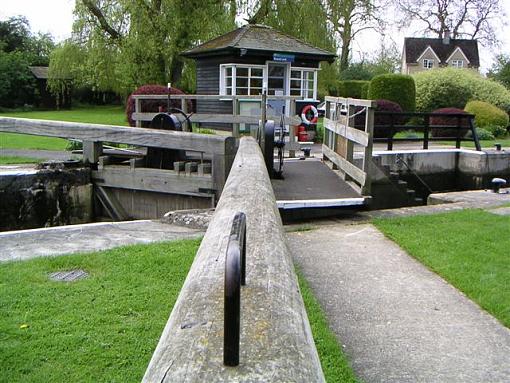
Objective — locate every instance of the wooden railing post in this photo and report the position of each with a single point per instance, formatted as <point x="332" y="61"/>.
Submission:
<point x="367" y="157"/>
<point x="92" y="151"/>
<point x="426" y="131"/>
<point x="138" y="109"/>
<point x="459" y="130"/>
<point x="236" y="132"/>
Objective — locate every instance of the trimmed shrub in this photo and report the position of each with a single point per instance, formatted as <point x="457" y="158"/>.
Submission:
<point x="448" y="121"/>
<point x="484" y="134"/>
<point x="152" y="105"/>
<point x="398" y="88"/>
<point x="488" y="117"/>
<point x="351" y="88"/>
<point x="452" y="87"/>
<point x="381" y="122"/>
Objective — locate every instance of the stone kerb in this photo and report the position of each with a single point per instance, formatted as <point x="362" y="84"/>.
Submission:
<point x="276" y="340"/>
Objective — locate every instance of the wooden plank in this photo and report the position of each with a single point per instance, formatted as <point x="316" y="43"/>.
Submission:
<point x="222" y="118"/>
<point x="351" y="101"/>
<point x="110" y="203"/>
<point x="155" y="180"/>
<point x="367" y="157"/>
<point x="276" y="343"/>
<point x="120" y="134"/>
<point x="356" y="135"/>
<point x="350" y="169"/>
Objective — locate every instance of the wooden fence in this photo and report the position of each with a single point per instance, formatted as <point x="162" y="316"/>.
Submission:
<point x="340" y="136"/>
<point x="235" y="119"/>
<point x="199" y="180"/>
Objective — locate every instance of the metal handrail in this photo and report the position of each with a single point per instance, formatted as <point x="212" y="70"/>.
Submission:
<point x="235" y="276"/>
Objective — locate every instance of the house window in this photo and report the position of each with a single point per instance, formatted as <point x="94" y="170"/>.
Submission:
<point x="241" y="79"/>
<point x="428" y="64"/>
<point x="302" y="83"/>
<point x="458" y="63"/>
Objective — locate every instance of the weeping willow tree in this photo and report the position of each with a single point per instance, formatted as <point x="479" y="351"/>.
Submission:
<point x="122" y="44"/>
<point x="304" y="19"/>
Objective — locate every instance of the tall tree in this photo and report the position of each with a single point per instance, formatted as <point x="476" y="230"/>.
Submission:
<point x="348" y="18"/>
<point x="500" y="70"/>
<point x="134" y="42"/>
<point x="471" y="19"/>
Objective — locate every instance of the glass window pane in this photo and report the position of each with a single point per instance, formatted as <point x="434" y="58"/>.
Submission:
<point x="276" y="71"/>
<point x="295" y="84"/>
<point x="228" y="71"/>
<point x="310" y="75"/>
<point x="228" y="91"/>
<point x="242" y="72"/>
<point x="275" y="83"/>
<point x="228" y="81"/>
<point x="295" y="74"/>
<point x="255" y="91"/>
<point x="310" y="93"/>
<point x="242" y="91"/>
<point x="295" y="92"/>
<point x="242" y="81"/>
<point x="256" y="82"/>
<point x="256" y="72"/>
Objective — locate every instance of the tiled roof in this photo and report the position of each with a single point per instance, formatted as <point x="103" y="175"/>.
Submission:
<point x="259" y="38"/>
<point x="39" y="71"/>
<point x="414" y="47"/>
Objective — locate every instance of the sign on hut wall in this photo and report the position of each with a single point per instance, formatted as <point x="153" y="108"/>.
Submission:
<point x="284" y="58"/>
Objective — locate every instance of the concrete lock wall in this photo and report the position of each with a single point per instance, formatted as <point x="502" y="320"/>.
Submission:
<point x="276" y="341"/>
<point x="472" y="169"/>
<point x="42" y="198"/>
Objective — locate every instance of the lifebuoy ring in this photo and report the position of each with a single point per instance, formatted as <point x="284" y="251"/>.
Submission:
<point x="307" y="109"/>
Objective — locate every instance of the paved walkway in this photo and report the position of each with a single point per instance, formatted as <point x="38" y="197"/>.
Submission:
<point x="398" y="321"/>
<point x="26" y="244"/>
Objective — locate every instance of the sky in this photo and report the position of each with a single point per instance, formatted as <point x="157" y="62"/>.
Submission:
<point x="56" y="17"/>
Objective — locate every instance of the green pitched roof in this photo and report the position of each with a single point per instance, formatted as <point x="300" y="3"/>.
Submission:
<point x="259" y="38"/>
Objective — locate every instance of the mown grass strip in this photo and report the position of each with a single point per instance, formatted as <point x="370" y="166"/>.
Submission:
<point x="335" y="365"/>
<point x="100" y="329"/>
<point x="12" y="160"/>
<point x="468" y="248"/>
<point x="108" y="115"/>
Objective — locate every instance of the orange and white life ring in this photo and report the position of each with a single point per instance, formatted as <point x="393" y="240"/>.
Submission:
<point x="307" y="109"/>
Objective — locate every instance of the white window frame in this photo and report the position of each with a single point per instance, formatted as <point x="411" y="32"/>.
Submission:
<point x="457" y="63"/>
<point x="234" y="66"/>
<point x="304" y="89"/>
<point x="428" y="63"/>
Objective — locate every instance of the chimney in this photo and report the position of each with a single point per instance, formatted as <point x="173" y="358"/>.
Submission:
<point x="446" y="37"/>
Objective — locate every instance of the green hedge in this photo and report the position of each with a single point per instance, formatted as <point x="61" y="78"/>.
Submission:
<point x="452" y="87"/>
<point x="398" y="88"/>
<point x="352" y="88"/>
<point x="488" y="116"/>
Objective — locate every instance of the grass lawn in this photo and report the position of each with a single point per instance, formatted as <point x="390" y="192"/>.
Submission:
<point x="25" y="141"/>
<point x="334" y="364"/>
<point x="100" y="329"/>
<point x="468" y="248"/>
<point x="11" y="160"/>
<point x="110" y="115"/>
